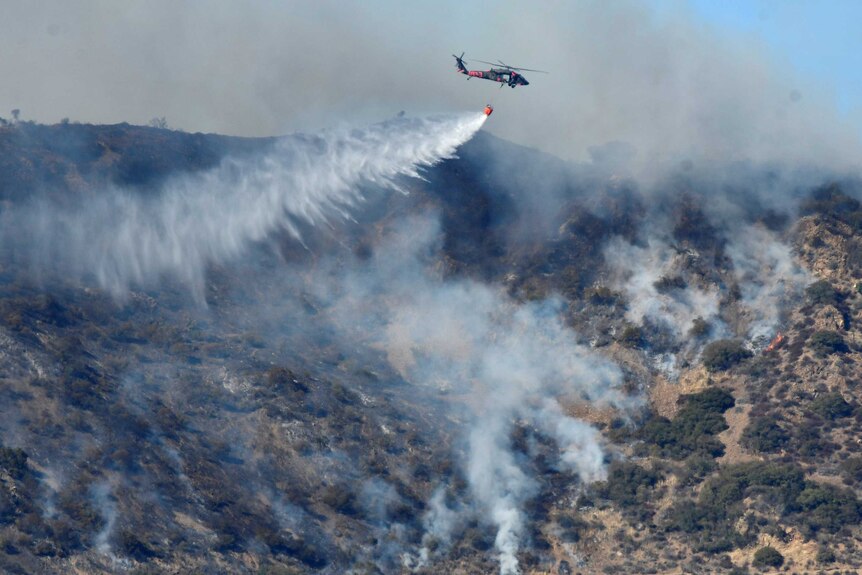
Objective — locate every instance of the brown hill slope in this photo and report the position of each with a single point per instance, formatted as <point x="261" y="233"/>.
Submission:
<point x="314" y="416"/>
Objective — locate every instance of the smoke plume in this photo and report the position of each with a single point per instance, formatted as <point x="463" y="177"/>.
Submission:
<point x="506" y="362"/>
<point x="123" y="239"/>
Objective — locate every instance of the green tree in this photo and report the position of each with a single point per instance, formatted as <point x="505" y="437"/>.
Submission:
<point x="768" y="557"/>
<point x="822" y="293"/>
<point x="764" y="435"/>
<point x="824" y="343"/>
<point x="723" y="354"/>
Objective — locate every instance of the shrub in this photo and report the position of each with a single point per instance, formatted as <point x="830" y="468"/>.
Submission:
<point x="601" y="295"/>
<point x="700" y="328"/>
<point x="832" y="202"/>
<point x="767" y="557"/>
<point x="825" y="555"/>
<point x="693" y="430"/>
<point x="282" y="379"/>
<point x="851" y="470"/>
<point x="831" y="406"/>
<point x="668" y="283"/>
<point x="14" y="461"/>
<point x="632" y="337"/>
<point x="711" y="520"/>
<point x="764" y="435"/>
<point x="822" y="293"/>
<point x="812" y="442"/>
<point x="714" y="400"/>
<point x="628" y="483"/>
<point x="824" y="343"/>
<point x="723" y="354"/>
<point x="693" y="226"/>
<point x="339" y="498"/>
<point x="826" y="508"/>
<point x="783" y="482"/>
<point x="696" y="468"/>
<point x="132" y="546"/>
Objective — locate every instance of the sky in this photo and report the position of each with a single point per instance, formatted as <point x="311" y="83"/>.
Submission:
<point x="674" y="79"/>
<point x="818" y="38"/>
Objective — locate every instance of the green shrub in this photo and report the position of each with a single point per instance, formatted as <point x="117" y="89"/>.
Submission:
<point x="826" y="508"/>
<point x="812" y="442"/>
<point x="284" y="380"/>
<point x="132" y="546"/>
<point x="767" y="557"/>
<point x="831" y="406"/>
<point x="712" y="400"/>
<point x="723" y="354"/>
<point x="628" y="483"/>
<point x="851" y="470"/>
<point x="691" y="225"/>
<point x="696" y="468"/>
<point x="783" y="482"/>
<point x="693" y="430"/>
<point x="822" y="293"/>
<point x="825" y="555"/>
<point x="764" y="435"/>
<point x="832" y="202"/>
<point x="812" y="507"/>
<point x="824" y="343"/>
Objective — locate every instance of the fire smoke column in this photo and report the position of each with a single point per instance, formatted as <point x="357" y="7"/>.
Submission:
<point x="510" y="362"/>
<point x="123" y="238"/>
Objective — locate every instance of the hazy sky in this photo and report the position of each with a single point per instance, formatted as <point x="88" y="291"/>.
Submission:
<point x="677" y="80"/>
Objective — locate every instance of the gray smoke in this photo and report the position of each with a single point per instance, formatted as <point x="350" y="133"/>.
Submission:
<point x="102" y="496"/>
<point x="668" y="86"/>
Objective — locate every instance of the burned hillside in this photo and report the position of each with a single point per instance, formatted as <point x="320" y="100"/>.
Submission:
<point x="510" y="364"/>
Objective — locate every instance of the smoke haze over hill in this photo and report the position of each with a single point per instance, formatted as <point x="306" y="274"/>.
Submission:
<point x="671" y="88"/>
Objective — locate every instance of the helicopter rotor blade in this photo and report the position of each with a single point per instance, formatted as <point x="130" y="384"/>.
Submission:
<point x="500" y="63"/>
<point x="528" y="70"/>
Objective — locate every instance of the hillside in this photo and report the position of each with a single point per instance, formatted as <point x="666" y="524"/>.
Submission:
<point x="514" y="364"/>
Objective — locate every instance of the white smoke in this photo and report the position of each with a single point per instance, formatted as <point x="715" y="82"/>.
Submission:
<point x="504" y="361"/>
<point x="102" y="496"/>
<point x="636" y="269"/>
<point x="768" y="276"/>
<point x="439" y="522"/>
<point x="125" y="239"/>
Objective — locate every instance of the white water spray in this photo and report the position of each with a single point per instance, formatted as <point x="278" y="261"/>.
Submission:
<point x="125" y="239"/>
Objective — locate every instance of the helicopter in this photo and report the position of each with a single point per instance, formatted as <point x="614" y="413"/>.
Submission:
<point x="505" y="75"/>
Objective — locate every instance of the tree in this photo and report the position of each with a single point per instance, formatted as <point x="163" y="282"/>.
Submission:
<point x="822" y="293"/>
<point x="831" y="406"/>
<point x="723" y="354"/>
<point x="160" y="123"/>
<point x="825" y="555"/>
<point x="764" y="435"/>
<point x="825" y="343"/>
<point x="632" y="336"/>
<point x="768" y="557"/>
<point x="15" y="113"/>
